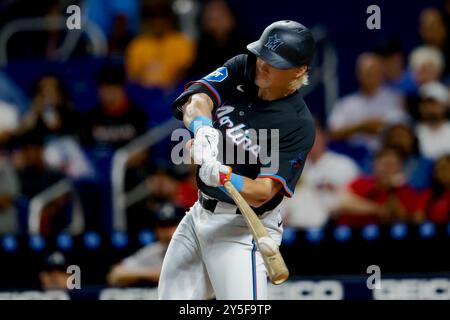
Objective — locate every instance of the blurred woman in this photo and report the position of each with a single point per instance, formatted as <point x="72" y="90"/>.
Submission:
<point x="220" y="38"/>
<point x="53" y="116"/>
<point x="437" y="199"/>
<point x="417" y="169"/>
<point x="51" y="110"/>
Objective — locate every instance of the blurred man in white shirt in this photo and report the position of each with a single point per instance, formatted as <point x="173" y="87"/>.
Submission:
<point x="325" y="176"/>
<point x="433" y="130"/>
<point x="359" y="117"/>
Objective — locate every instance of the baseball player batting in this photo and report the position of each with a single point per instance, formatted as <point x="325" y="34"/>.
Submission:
<point x="212" y="253"/>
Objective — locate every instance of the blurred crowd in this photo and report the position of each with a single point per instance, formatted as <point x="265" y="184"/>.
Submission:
<point x="382" y="155"/>
<point x="45" y="138"/>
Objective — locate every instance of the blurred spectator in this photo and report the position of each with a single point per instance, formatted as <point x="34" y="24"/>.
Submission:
<point x="426" y="64"/>
<point x="51" y="110"/>
<point x="384" y="197"/>
<point x="53" y="114"/>
<point x="9" y="121"/>
<point x="35" y="177"/>
<point x="434" y="32"/>
<point x="161" y="187"/>
<point x="53" y="274"/>
<point x="9" y="189"/>
<point x="33" y="173"/>
<point x="219" y="38"/>
<point x="437" y="199"/>
<point x="324" y="179"/>
<point x="116" y="120"/>
<point x="393" y="59"/>
<point x="187" y="193"/>
<point x="433" y="130"/>
<point x="160" y="55"/>
<point x="144" y="266"/>
<point x="64" y="153"/>
<point x="118" y="19"/>
<point x="417" y="168"/>
<point x="360" y="116"/>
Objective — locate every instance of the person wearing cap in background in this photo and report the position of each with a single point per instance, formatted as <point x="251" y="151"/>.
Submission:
<point x="54" y="274"/>
<point x="116" y="120"/>
<point x="144" y="266"/>
<point x="35" y="176"/>
<point x="433" y="129"/>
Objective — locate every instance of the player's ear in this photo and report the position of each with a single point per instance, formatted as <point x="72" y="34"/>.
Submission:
<point x="301" y="71"/>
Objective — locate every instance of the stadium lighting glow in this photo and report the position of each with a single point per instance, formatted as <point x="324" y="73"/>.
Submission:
<point x="64" y="241"/>
<point x="119" y="239"/>
<point x="289" y="236"/>
<point x="314" y="234"/>
<point x="427" y="230"/>
<point x="146" y="237"/>
<point x="92" y="240"/>
<point x="342" y="233"/>
<point x="36" y="242"/>
<point x="399" y="231"/>
<point x="9" y="243"/>
<point x="370" y="232"/>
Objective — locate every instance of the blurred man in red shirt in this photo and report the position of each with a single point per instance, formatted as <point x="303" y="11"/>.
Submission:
<point x="384" y="197"/>
<point x="437" y="200"/>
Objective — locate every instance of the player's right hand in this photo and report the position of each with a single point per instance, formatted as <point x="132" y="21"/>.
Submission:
<point x="205" y="147"/>
<point x="214" y="173"/>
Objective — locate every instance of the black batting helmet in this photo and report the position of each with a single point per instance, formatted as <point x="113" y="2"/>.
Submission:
<point x="285" y="44"/>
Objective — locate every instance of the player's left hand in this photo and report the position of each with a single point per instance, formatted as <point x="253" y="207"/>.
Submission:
<point x="205" y="145"/>
<point x="214" y="174"/>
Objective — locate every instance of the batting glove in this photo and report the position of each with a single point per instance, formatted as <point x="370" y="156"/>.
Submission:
<point x="214" y="174"/>
<point x="205" y="146"/>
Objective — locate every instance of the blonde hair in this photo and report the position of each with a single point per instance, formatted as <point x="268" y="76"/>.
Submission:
<point x="426" y="54"/>
<point x="300" y="81"/>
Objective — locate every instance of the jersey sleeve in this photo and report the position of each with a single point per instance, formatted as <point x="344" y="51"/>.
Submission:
<point x="292" y="152"/>
<point x="217" y="85"/>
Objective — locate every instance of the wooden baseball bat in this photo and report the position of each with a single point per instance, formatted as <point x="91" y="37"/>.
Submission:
<point x="276" y="267"/>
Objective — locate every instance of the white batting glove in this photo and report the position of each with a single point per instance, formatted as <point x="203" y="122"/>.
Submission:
<point x="205" y="147"/>
<point x="214" y="174"/>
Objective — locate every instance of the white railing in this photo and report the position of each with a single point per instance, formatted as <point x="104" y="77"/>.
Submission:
<point x="120" y="200"/>
<point x="97" y="40"/>
<point x="38" y="203"/>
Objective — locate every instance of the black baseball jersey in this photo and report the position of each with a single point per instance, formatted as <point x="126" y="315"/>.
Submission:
<point x="251" y="128"/>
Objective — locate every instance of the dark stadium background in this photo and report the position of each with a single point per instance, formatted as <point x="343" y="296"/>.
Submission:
<point x="339" y="254"/>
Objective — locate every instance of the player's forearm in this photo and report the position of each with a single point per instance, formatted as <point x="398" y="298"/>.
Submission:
<point x="198" y="105"/>
<point x="257" y="192"/>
